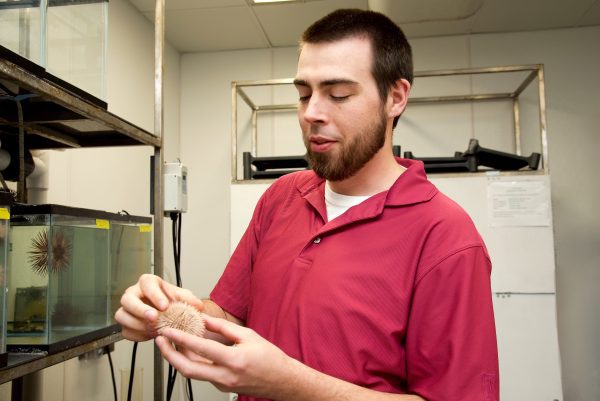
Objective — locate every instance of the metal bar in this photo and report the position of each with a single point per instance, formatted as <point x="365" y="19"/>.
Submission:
<point x="265" y="82"/>
<point x="459" y="98"/>
<point x="543" y="132"/>
<point x="43" y="360"/>
<point x="70" y="101"/>
<point x="52" y="134"/>
<point x="517" y="123"/>
<point x="254" y="145"/>
<point x="159" y="51"/>
<point x="526" y="82"/>
<point x="45" y="132"/>
<point x="472" y="71"/>
<point x="278" y="107"/>
<point x="233" y="132"/>
<point x="246" y="98"/>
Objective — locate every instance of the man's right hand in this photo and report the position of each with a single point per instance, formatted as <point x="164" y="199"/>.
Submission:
<point x="142" y="302"/>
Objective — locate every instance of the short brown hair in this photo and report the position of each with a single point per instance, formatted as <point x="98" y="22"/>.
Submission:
<point x="392" y="54"/>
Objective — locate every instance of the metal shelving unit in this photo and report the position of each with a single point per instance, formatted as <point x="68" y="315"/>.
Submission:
<point x="57" y="117"/>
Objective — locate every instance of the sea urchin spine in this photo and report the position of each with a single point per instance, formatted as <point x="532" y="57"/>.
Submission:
<point x="182" y="316"/>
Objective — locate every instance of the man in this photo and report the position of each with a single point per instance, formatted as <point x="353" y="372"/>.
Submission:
<point x="357" y="280"/>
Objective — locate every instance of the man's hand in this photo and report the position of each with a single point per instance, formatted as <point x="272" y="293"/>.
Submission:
<point x="141" y="304"/>
<point x="251" y="366"/>
<point x="257" y="368"/>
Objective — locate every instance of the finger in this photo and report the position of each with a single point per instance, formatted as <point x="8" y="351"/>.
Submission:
<point x="134" y="303"/>
<point x="132" y="328"/>
<point x="174" y="293"/>
<point x="185" y="366"/>
<point x="154" y="291"/>
<point x="129" y="321"/>
<point x="232" y="331"/>
<point x="191" y="355"/>
<point x="210" y="349"/>
<point x="136" y="336"/>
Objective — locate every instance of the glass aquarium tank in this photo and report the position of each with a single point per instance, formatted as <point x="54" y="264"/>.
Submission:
<point x="6" y="201"/>
<point x="130" y="254"/>
<point x="66" y="37"/>
<point x="22" y="28"/>
<point x="59" y="277"/>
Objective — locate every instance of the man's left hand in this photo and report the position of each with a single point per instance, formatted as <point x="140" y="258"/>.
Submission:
<point x="253" y="366"/>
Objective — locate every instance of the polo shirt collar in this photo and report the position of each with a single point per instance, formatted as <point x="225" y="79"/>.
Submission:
<point x="410" y="188"/>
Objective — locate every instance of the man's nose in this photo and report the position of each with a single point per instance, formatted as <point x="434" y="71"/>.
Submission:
<point x="315" y="111"/>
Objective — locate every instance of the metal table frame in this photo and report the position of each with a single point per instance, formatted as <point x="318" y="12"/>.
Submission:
<point x="534" y="71"/>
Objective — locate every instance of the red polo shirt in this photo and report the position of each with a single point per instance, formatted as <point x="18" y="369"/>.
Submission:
<point x="393" y="295"/>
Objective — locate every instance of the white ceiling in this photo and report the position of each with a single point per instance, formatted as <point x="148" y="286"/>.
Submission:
<point x="212" y="25"/>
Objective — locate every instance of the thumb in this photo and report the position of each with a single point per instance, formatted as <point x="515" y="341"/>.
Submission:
<point x="231" y="331"/>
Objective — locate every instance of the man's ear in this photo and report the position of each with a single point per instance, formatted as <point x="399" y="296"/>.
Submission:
<point x="398" y="97"/>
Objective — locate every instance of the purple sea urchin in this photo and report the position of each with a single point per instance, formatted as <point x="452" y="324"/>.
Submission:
<point x="60" y="250"/>
<point x="182" y="316"/>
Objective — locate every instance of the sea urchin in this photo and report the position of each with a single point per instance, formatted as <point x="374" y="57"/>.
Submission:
<point x="59" y="249"/>
<point x="182" y="316"/>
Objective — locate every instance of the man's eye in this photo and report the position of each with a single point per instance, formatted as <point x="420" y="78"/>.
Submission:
<point x="304" y="99"/>
<point x="339" y="98"/>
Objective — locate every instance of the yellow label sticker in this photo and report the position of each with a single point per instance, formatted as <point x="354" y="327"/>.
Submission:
<point x="4" y="214"/>
<point x="103" y="224"/>
<point x="145" y="228"/>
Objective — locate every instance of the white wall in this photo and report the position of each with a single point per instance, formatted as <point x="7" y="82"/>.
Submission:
<point x="115" y="179"/>
<point x="571" y="60"/>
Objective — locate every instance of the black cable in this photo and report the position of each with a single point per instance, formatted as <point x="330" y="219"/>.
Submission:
<point x="172" y="375"/>
<point x="190" y="392"/>
<point x="131" y="372"/>
<point x="176" y="234"/>
<point x="112" y="372"/>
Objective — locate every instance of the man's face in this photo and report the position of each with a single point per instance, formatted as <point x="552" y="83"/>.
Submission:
<point x="340" y="112"/>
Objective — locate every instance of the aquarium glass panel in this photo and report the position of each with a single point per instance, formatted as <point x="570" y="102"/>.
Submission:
<point x="130" y="257"/>
<point x="4" y="232"/>
<point x="28" y="281"/>
<point x="21" y="28"/>
<point x="78" y="279"/>
<point x="76" y="43"/>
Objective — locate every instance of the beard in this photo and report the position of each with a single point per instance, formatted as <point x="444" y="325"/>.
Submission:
<point x="352" y="155"/>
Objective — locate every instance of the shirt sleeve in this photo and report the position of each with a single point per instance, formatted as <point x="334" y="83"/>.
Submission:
<point x="451" y="338"/>
<point x="232" y="292"/>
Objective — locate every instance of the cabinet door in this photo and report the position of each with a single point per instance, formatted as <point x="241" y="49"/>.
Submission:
<point x="528" y="347"/>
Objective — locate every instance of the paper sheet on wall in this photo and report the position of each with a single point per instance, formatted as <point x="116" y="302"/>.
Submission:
<point x="518" y="202"/>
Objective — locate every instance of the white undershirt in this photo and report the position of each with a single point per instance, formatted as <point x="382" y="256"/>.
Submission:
<point x="337" y="204"/>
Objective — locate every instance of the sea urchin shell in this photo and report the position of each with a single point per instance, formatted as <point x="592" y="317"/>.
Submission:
<point x="182" y="316"/>
<point x="60" y="250"/>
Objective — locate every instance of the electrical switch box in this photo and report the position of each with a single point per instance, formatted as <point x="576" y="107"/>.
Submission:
<point x="175" y="190"/>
